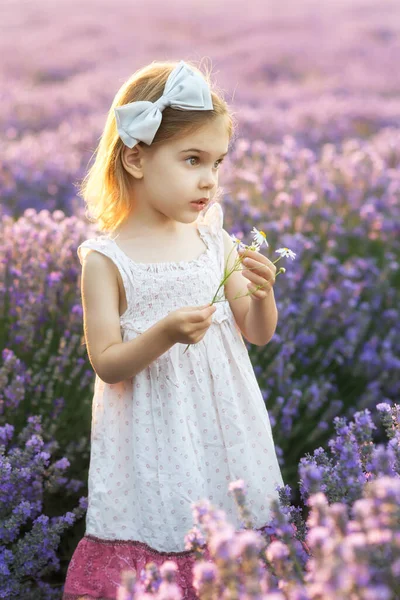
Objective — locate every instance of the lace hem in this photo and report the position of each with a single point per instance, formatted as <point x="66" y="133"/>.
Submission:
<point x="85" y="597"/>
<point x="148" y="548"/>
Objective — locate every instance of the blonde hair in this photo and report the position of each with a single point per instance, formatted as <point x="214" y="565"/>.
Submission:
<point x="107" y="186"/>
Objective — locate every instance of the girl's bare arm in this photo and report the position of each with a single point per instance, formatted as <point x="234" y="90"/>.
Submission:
<point x="112" y="359"/>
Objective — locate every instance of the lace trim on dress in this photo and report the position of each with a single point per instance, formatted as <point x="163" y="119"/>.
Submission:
<point x="85" y="597"/>
<point x="167" y="266"/>
<point x="148" y="548"/>
<point x="263" y="529"/>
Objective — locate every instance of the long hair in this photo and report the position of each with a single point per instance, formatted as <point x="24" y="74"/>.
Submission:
<point x="106" y="188"/>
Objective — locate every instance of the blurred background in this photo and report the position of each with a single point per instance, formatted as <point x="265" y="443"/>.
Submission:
<point x="316" y="91"/>
<point x="318" y="72"/>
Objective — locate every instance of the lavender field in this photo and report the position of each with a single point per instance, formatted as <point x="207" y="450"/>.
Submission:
<point x="315" y="88"/>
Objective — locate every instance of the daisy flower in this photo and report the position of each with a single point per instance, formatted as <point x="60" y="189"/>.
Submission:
<point x="285" y="252"/>
<point x="238" y="243"/>
<point x="254" y="247"/>
<point x="259" y="237"/>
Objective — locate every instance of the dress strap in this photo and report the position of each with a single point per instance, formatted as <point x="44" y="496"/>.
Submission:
<point x="210" y="225"/>
<point x="104" y="245"/>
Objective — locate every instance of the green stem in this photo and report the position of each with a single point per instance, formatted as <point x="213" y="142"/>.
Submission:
<point x="228" y="274"/>
<point x="224" y="279"/>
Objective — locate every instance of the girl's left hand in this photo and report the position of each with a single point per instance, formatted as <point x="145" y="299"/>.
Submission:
<point x="259" y="271"/>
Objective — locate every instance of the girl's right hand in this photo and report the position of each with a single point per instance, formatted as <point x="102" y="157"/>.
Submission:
<point x="188" y="325"/>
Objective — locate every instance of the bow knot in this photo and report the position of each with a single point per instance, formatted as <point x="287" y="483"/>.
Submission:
<point x="162" y="102"/>
<point x="184" y="90"/>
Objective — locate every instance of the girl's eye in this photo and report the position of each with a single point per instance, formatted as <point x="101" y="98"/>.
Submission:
<point x="197" y="158"/>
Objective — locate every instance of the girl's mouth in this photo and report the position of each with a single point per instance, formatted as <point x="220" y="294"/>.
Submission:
<point x="199" y="204"/>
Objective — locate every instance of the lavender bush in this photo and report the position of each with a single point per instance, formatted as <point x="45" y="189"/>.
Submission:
<point x="336" y="349"/>
<point x="43" y="365"/>
<point x="29" y="538"/>
<point x="347" y="547"/>
<point x="322" y="73"/>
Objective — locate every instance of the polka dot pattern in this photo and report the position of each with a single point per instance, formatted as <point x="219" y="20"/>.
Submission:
<point x="187" y="425"/>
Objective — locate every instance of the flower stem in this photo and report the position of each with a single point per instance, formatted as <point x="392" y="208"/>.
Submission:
<point x="227" y="274"/>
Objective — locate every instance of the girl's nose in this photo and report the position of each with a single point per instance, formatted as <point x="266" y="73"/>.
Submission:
<point x="209" y="180"/>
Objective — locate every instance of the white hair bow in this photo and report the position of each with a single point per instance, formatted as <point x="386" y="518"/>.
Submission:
<point x="184" y="89"/>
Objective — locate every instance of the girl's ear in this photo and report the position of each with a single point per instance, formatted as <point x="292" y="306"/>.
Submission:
<point x="132" y="159"/>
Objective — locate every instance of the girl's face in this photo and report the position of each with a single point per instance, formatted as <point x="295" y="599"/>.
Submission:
<point x="169" y="177"/>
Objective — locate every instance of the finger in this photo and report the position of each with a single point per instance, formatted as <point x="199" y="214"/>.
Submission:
<point x="209" y="309"/>
<point x="257" y="279"/>
<point x="262" y="268"/>
<point x="208" y="317"/>
<point x="202" y="327"/>
<point x="199" y="315"/>
<point x="256" y="264"/>
<point x="202" y="308"/>
<point x="208" y="313"/>
<point x="258" y="293"/>
<point x="257" y="268"/>
<point x="264" y="260"/>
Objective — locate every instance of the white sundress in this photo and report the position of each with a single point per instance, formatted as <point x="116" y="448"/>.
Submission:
<point x="179" y="431"/>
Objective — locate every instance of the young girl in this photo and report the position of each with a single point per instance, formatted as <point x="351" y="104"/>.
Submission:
<point x="169" y="427"/>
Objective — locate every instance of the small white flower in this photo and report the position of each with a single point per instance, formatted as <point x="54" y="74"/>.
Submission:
<point x="286" y="253"/>
<point x="238" y="243"/>
<point x="235" y="239"/>
<point x="259" y="237"/>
